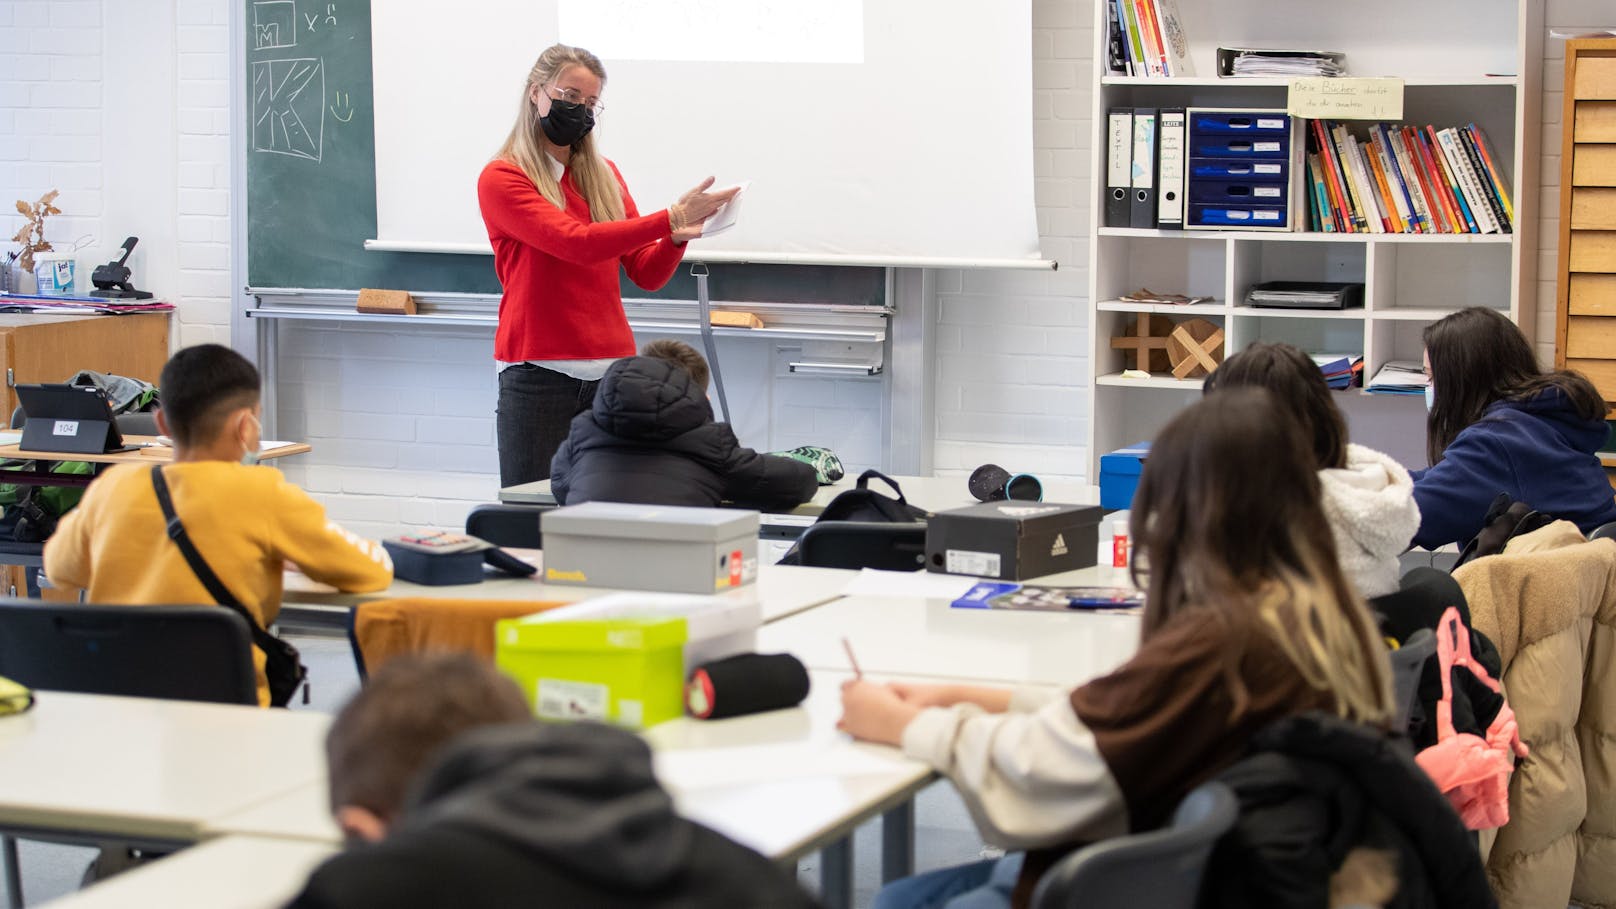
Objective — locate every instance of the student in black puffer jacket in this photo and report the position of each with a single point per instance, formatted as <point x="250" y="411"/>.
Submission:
<point x="650" y="438"/>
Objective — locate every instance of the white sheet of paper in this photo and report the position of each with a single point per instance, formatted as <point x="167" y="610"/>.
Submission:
<point x="873" y="583"/>
<point x="705" y="768"/>
<point x="728" y="214"/>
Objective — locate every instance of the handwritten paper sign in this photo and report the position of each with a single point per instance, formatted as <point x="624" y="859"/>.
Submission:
<point x="1346" y="99"/>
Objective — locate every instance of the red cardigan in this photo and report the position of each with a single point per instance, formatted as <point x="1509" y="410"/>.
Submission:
<point x="562" y="300"/>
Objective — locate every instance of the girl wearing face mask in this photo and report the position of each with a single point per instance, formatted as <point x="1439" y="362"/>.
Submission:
<point x="561" y="221"/>
<point x="1498" y="423"/>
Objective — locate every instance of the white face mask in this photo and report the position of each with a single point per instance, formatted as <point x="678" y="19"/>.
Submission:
<point x="1430" y="397"/>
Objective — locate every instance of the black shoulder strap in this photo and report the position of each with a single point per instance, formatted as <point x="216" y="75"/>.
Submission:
<point x="176" y="532"/>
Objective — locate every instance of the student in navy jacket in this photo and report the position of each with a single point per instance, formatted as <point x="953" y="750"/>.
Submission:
<point x="650" y="439"/>
<point x="1499" y="424"/>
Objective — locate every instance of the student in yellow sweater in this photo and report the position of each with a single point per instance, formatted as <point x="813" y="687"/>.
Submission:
<point x="246" y="521"/>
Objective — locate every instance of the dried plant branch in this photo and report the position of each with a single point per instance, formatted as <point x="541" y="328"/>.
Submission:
<point x="32" y="234"/>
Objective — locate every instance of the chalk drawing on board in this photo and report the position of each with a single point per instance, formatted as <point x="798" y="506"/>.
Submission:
<point x="289" y="107"/>
<point x="274" y="24"/>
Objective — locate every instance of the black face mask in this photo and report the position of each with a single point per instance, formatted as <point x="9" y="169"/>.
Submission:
<point x="567" y="124"/>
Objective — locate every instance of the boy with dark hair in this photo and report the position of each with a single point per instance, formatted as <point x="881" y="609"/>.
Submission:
<point x="650" y="438"/>
<point x="451" y="795"/>
<point x="247" y="522"/>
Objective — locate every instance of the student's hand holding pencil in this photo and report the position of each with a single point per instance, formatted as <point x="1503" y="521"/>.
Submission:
<point x="874" y="712"/>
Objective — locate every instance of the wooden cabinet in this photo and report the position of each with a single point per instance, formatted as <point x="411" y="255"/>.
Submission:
<point x="51" y="348"/>
<point x="1585" y="321"/>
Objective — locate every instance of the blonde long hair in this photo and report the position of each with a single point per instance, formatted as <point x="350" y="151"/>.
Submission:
<point x="592" y="177"/>
<point x="1228" y="518"/>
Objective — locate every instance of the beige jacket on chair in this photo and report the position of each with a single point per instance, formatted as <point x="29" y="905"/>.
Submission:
<point x="1549" y="603"/>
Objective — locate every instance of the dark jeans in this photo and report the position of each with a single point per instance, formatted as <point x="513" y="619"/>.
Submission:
<point x="535" y="411"/>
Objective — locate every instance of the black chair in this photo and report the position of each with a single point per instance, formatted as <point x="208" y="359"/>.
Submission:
<point x="1161" y="869"/>
<point x="1604" y="532"/>
<point x="513" y="526"/>
<point x="859" y="544"/>
<point x="186" y="653"/>
<point x="1408" y="663"/>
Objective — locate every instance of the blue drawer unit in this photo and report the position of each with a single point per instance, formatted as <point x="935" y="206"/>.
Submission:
<point x="1249" y="148"/>
<point x="1237" y="169"/>
<point x="1240" y="123"/>
<point x="1239" y="216"/>
<point x="1238" y="192"/>
<point x="1244" y="169"/>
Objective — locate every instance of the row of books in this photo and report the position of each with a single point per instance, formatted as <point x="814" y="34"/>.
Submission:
<point x="1405" y="180"/>
<point x="1340" y="370"/>
<point x="1146" y="38"/>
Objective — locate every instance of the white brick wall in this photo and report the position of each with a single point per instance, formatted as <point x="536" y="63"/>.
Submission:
<point x="50" y="123"/>
<point x="1010" y="364"/>
<point x="124" y="108"/>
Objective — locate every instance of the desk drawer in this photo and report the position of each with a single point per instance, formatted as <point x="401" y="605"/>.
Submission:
<point x="1238" y="169"/>
<point x="1239" y="123"/>
<point x="1232" y="192"/>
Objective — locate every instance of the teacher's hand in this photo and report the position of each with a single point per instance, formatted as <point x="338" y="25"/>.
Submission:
<point x="694" y="207"/>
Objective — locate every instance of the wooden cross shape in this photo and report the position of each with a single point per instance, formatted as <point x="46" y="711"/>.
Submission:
<point x="1148" y="342"/>
<point x="1196" y="348"/>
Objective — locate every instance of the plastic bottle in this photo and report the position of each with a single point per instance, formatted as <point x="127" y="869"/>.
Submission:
<point x="1119" y="543"/>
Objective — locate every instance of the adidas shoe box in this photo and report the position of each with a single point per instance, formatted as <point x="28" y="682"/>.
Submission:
<point x="1013" y="540"/>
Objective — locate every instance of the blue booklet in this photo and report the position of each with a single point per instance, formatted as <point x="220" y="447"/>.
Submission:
<point x="1010" y="595"/>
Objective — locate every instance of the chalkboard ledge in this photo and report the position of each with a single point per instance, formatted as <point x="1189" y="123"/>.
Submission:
<point x="782" y="321"/>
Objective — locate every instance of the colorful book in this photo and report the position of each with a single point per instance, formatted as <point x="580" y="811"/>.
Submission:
<point x="1326" y="218"/>
<point x="1388" y="201"/>
<point x="1500" y="182"/>
<point x="1453" y="223"/>
<point x="1147" y="39"/>
<point x="1468" y="184"/>
<point x="1330" y="172"/>
<point x="1136" y="46"/>
<point x="1010" y="595"/>
<point x="1394" y="179"/>
<point x="1411" y="180"/>
<point x="1450" y="181"/>
<point x="1484" y="180"/>
<point x="1176" y="42"/>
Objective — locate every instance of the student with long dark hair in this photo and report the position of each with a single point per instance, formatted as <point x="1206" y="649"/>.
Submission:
<point x="1249" y="620"/>
<point x="1499" y="424"/>
<point x="1368" y="497"/>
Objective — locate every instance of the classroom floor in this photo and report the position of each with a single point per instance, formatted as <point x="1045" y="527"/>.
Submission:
<point x="944" y="834"/>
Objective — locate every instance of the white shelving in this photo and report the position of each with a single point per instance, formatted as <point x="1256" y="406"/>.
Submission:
<point x="1467" y="62"/>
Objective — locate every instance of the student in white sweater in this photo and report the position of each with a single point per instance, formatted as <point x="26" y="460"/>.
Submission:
<point x="1368" y="497"/>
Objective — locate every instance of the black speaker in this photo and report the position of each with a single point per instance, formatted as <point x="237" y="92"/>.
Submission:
<point x="746" y="683"/>
<point x="992" y="483"/>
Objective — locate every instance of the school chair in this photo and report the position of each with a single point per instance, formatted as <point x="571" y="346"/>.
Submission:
<point x="380" y="630"/>
<point x="1604" y="532"/>
<point x="510" y="526"/>
<point x="1161" y="869"/>
<point x="184" y="653"/>
<point x="859" y="544"/>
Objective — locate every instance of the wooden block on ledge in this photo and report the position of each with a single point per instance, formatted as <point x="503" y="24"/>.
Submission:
<point x="389" y="302"/>
<point x="736" y="319"/>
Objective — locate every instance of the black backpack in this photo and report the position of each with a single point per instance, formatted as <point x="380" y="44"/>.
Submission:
<point x="863" y="504"/>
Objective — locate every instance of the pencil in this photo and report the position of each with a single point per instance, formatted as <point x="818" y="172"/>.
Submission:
<point x="857" y="673"/>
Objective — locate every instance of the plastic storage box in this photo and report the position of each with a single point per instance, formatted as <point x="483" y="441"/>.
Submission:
<point x="1119" y="476"/>
<point x="650" y="547"/>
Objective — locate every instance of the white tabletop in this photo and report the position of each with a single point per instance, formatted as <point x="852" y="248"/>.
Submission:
<point x="142" y="768"/>
<point x="784" y="783"/>
<point x="235" y="872"/>
<point x="782" y="590"/>
<point x="912" y="636"/>
<point x="930" y="493"/>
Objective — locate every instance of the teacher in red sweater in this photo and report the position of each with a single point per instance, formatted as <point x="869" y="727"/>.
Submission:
<point x="561" y="220"/>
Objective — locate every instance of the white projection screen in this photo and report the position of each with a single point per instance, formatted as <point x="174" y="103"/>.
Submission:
<point x="881" y="132"/>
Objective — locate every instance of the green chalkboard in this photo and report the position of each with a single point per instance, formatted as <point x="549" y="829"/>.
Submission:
<point x="311" y="177"/>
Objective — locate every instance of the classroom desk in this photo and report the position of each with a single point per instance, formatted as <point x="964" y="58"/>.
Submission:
<point x="913" y="636"/>
<point x="160" y="454"/>
<point x="783" y="590"/>
<point x="930" y="493"/>
<point x="148" y="771"/>
<point x="785" y="783"/>
<point x="236" y="872"/>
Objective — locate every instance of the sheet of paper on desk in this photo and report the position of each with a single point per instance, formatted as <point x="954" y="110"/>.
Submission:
<point x="873" y="583"/>
<point x="709" y="768"/>
<point x="10" y="436"/>
<point x="727" y="215"/>
<point x="267" y="445"/>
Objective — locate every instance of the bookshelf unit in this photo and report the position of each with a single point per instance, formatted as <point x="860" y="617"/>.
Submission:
<point x="1462" y="62"/>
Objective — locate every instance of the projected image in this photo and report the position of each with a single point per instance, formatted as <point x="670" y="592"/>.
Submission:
<point x="717" y="31"/>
